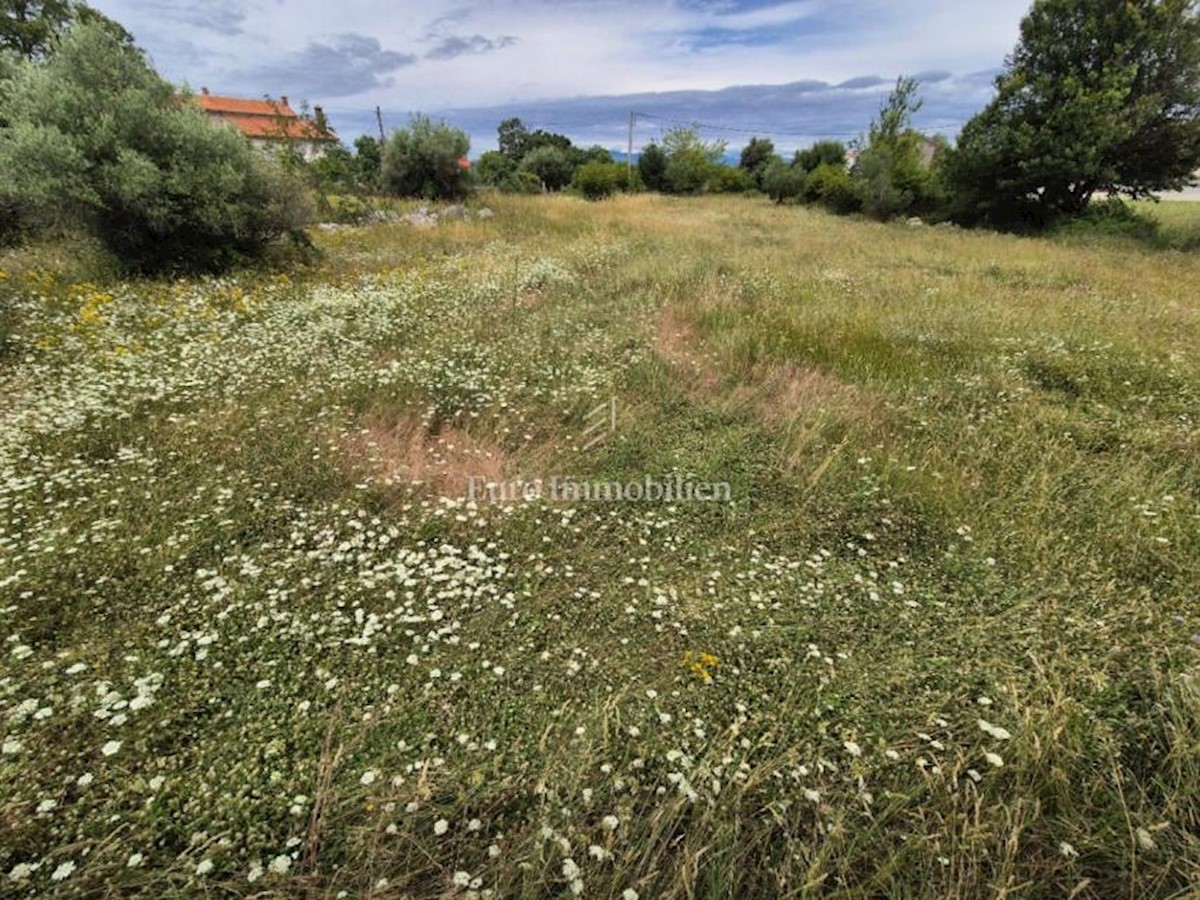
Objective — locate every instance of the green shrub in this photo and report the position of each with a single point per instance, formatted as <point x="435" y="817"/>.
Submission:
<point x="832" y="187"/>
<point x="728" y="180"/>
<point x="652" y="168"/>
<point x="350" y="210"/>
<point x="425" y="160"/>
<point x="551" y="166"/>
<point x="1112" y="218"/>
<point x="97" y="139"/>
<point x="598" y="180"/>
<point x="781" y="181"/>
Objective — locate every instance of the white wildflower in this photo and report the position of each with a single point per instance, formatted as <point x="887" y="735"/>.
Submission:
<point x="280" y="864"/>
<point x="995" y="731"/>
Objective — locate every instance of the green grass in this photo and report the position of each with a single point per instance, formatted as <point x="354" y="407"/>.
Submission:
<point x="944" y="642"/>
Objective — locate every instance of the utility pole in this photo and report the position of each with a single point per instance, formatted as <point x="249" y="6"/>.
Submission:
<point x="379" y="121"/>
<point x="632" y="122"/>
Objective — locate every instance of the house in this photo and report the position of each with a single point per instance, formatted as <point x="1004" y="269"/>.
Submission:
<point x="271" y="124"/>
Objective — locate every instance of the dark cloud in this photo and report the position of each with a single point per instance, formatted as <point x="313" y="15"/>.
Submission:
<point x="793" y="115"/>
<point x="223" y="17"/>
<point x="344" y="65"/>
<point x="934" y="76"/>
<point x="458" y="45"/>
<point x="862" y="82"/>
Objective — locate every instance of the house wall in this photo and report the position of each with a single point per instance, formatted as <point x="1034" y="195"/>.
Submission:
<point x="308" y="150"/>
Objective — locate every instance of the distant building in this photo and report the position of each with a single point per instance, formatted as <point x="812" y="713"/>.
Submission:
<point x="272" y="124"/>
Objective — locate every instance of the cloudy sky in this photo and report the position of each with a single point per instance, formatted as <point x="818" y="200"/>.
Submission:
<point x="795" y="70"/>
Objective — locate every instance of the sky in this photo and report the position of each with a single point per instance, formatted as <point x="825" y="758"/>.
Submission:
<point x="792" y="70"/>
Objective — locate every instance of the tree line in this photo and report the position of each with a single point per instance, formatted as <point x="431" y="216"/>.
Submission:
<point x="1099" y="98"/>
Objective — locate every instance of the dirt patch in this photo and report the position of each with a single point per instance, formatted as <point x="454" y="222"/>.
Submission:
<point x="677" y="341"/>
<point x="406" y="453"/>
<point x="777" y="393"/>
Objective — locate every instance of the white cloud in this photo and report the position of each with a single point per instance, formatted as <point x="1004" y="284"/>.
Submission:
<point x="472" y="53"/>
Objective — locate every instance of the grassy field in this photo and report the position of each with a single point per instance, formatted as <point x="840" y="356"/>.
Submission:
<point x="944" y="640"/>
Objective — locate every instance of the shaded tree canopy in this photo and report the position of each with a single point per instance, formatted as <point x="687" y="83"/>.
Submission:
<point x="1099" y="96"/>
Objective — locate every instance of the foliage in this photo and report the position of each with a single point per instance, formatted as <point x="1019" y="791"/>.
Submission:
<point x="756" y="157"/>
<point x="96" y="137"/>
<point x="29" y="27"/>
<point x="425" y="160"/>
<point x="692" y="162"/>
<point x="832" y="187"/>
<point x="652" y="168"/>
<point x="598" y="180"/>
<point x="368" y="162"/>
<point x="551" y="165"/>
<point x="781" y="181"/>
<point x="731" y="180"/>
<point x="1099" y="96"/>
<point x="890" y="175"/>
<point x="336" y="171"/>
<point x="495" y="169"/>
<point x="596" y="153"/>
<point x="832" y="153"/>
<point x="513" y="138"/>
<point x="1112" y="218"/>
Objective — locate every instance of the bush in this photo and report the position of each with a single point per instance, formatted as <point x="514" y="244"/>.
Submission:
<point x="832" y="187"/>
<point x="1112" y="218"/>
<point x="551" y="166"/>
<point x="782" y="182"/>
<point x="728" y="180"/>
<point x="652" y="168"/>
<point x="831" y="153"/>
<point x="349" y="210"/>
<point x="424" y="160"/>
<point x="597" y="180"/>
<point x="97" y="139"/>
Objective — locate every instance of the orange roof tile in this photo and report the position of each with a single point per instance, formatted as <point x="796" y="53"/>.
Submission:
<point x="265" y="119"/>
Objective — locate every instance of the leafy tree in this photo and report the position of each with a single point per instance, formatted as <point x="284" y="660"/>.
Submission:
<point x="781" y="181"/>
<point x="731" y="180"/>
<point x="368" y="162"/>
<point x="595" y="153"/>
<point x="514" y="138"/>
<point x="495" y="168"/>
<point x="95" y="137"/>
<point x="692" y="162"/>
<point x="756" y="156"/>
<point x="29" y="27"/>
<point x="891" y="176"/>
<point x="335" y="170"/>
<point x="822" y="153"/>
<point x="551" y="165"/>
<point x="832" y="187"/>
<point x="652" y="167"/>
<point x="1099" y="96"/>
<point x="425" y="160"/>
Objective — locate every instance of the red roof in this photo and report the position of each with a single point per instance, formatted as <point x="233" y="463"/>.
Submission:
<point x="265" y="119"/>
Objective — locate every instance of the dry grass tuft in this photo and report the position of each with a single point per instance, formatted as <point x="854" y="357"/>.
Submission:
<point x="440" y="461"/>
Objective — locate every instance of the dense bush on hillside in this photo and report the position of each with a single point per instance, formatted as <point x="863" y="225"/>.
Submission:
<point x="95" y="139"/>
